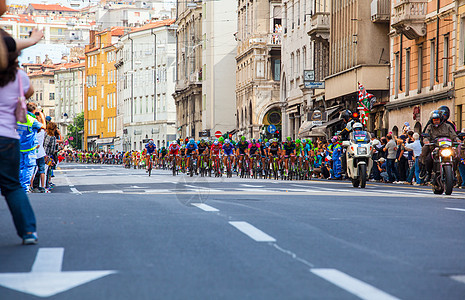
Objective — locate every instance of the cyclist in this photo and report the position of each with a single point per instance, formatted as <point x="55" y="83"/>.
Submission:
<point x="174" y="152"/>
<point x="151" y="148"/>
<point x="254" y="148"/>
<point x="163" y="153"/>
<point x="289" y="151"/>
<point x="215" y="152"/>
<point x="274" y="150"/>
<point x="228" y="150"/>
<point x="191" y="149"/>
<point x="242" y="150"/>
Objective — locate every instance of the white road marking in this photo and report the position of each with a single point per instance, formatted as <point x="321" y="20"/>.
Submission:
<point x="205" y="207"/>
<point x="453" y="208"/>
<point x="352" y="285"/>
<point x="459" y="278"/>
<point x="46" y="278"/>
<point x="252" y="186"/>
<point x="253" y="232"/>
<point x="48" y="260"/>
<point x="75" y="191"/>
<point x="111" y="192"/>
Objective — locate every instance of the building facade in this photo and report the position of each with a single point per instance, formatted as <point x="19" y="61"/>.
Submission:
<point x="188" y="92"/>
<point x="100" y="90"/>
<point x="422" y="64"/>
<point x="70" y="80"/>
<point x="44" y="90"/>
<point x="219" y="65"/>
<point x="359" y="53"/>
<point x="146" y="73"/>
<point x="258" y="67"/>
<point x="459" y="73"/>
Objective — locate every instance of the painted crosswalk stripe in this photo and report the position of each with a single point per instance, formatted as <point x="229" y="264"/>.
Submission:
<point x="205" y="207"/>
<point x="352" y="285"/>
<point x="453" y="208"/>
<point x="253" y="232"/>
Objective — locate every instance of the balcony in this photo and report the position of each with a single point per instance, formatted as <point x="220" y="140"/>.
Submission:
<point x="319" y="25"/>
<point x="274" y="39"/>
<point x="408" y="17"/>
<point x="380" y="11"/>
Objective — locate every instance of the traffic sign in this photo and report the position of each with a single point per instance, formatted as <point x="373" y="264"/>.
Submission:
<point x="314" y="84"/>
<point x="271" y="129"/>
<point x="218" y="134"/>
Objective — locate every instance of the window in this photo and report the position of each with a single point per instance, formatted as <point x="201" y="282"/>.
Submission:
<point x="102" y="113"/>
<point x="462" y="41"/>
<point x="420" y="67"/>
<point x="396" y="77"/>
<point x="432" y="64"/>
<point x="52" y="96"/>
<point x="459" y="117"/>
<point x="103" y="69"/>
<point x="446" y="60"/>
<point x="407" y="72"/>
<point x="297" y="67"/>
<point x="276" y="65"/>
<point x="292" y="65"/>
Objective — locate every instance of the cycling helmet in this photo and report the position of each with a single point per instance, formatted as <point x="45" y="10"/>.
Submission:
<point x="436" y="118"/>
<point x="215" y="143"/>
<point x="357" y="126"/>
<point x="289" y="139"/>
<point x="174" y="143"/>
<point x="151" y="142"/>
<point x="267" y="144"/>
<point x="346" y="115"/>
<point x="266" y="140"/>
<point x="297" y="141"/>
<point x="191" y="141"/>
<point x="259" y="140"/>
<point x="248" y="141"/>
<point x="445" y="112"/>
<point x="254" y="141"/>
<point x="183" y="147"/>
<point x="221" y="139"/>
<point x="243" y="138"/>
<point x="227" y="141"/>
<point x="202" y="141"/>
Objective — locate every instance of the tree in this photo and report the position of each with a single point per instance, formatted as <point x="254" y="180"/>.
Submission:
<point x="75" y="131"/>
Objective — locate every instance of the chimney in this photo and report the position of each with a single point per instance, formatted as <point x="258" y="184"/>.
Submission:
<point x="37" y="59"/>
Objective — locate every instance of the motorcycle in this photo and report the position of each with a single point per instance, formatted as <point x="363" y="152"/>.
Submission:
<point x="359" y="160"/>
<point x="443" y="171"/>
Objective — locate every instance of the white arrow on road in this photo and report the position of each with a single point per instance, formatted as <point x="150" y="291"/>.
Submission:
<point x="46" y="278"/>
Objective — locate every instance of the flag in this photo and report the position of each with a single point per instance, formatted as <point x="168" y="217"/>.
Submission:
<point x="364" y="103"/>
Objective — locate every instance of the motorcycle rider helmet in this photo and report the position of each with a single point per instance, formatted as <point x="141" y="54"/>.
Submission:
<point x="346" y="115"/>
<point x="436" y="118"/>
<point x="445" y="112"/>
<point x="357" y="126"/>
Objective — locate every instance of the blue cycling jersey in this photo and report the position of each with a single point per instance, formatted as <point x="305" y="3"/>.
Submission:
<point x="150" y="148"/>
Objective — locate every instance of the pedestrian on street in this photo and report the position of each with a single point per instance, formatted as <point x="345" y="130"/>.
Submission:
<point x="391" y="149"/>
<point x="16" y="198"/>
<point x="415" y="147"/>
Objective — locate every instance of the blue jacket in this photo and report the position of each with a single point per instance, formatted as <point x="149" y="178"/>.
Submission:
<point x="27" y="133"/>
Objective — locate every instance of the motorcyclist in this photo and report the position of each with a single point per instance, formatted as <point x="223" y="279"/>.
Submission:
<point x="349" y="120"/>
<point x="437" y="127"/>
<point x="445" y="114"/>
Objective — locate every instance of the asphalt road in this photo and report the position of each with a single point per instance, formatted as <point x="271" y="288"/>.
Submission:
<point x="165" y="237"/>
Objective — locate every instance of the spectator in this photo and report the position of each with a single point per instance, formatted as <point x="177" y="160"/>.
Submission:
<point x="391" y="149"/>
<point x="40" y="170"/>
<point x="16" y="198"/>
<point x="28" y="145"/>
<point x="416" y="148"/>
<point x="50" y="150"/>
<point x="402" y="158"/>
<point x="381" y="166"/>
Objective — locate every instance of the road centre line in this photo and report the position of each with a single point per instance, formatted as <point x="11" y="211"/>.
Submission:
<point x="252" y="231"/>
<point x="352" y="285"/>
<point x="205" y="207"/>
<point x="453" y="208"/>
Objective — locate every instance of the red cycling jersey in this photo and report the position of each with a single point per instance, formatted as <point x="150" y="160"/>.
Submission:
<point x="216" y="149"/>
<point x="174" y="149"/>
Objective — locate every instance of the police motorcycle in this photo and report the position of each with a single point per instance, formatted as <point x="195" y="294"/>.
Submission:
<point x="443" y="165"/>
<point x="359" y="151"/>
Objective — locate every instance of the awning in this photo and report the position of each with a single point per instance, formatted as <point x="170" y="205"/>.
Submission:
<point x="305" y="127"/>
<point x="322" y="131"/>
<point x="105" y="141"/>
<point x="330" y="110"/>
<point x="91" y="140"/>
